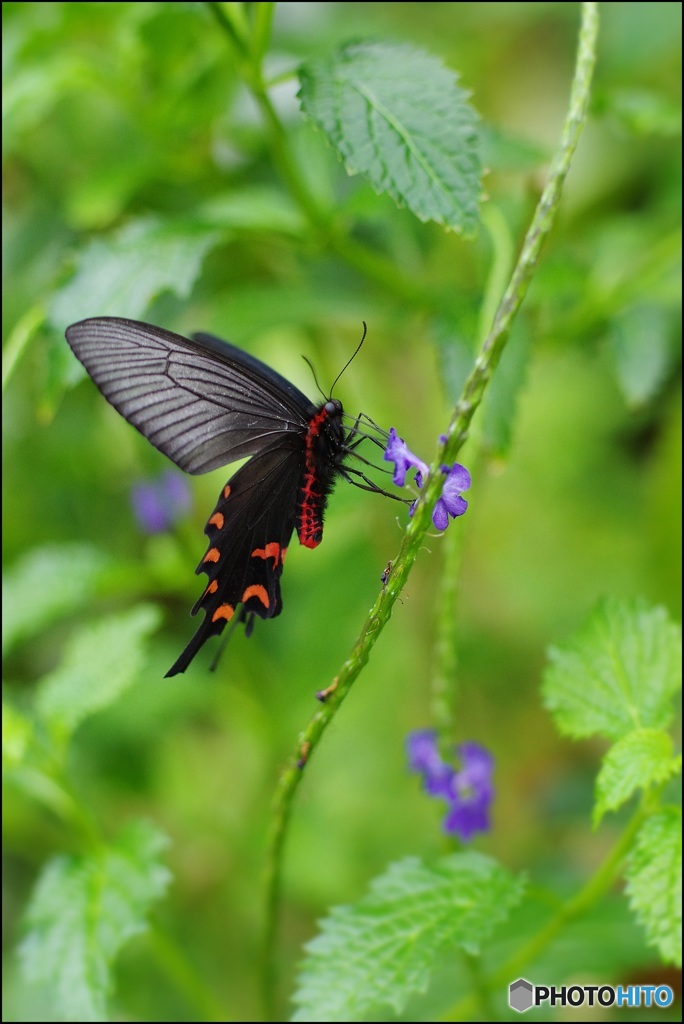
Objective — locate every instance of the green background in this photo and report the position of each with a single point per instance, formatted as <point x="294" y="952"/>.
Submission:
<point x="116" y="113"/>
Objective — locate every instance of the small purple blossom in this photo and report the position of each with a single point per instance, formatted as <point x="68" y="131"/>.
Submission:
<point x="450" y="502"/>
<point x="159" y="503"/>
<point x="424" y="757"/>
<point x="398" y="452"/>
<point x="468" y="790"/>
<point x="472" y="792"/>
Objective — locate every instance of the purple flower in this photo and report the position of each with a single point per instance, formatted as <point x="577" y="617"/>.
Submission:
<point x="424" y="757"/>
<point x="450" y="503"/>
<point x="472" y="793"/>
<point x="468" y="790"/>
<point x="398" y="452"/>
<point x="159" y="503"/>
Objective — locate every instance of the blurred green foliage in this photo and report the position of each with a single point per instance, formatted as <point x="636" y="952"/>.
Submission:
<point x="137" y="167"/>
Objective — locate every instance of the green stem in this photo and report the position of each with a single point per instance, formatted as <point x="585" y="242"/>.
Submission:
<point x="445" y="674"/>
<point x="261" y="33"/>
<point x="58" y="797"/>
<point x="594" y="890"/>
<point x="185" y="978"/>
<point x="231" y="18"/>
<point x="473" y="391"/>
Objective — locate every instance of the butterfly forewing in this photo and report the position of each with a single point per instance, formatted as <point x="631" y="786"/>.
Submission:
<point x="203" y="403"/>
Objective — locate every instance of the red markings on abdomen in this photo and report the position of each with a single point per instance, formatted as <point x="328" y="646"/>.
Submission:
<point x="309" y="509"/>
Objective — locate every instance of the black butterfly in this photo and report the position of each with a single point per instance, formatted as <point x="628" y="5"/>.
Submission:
<point x="205" y="403"/>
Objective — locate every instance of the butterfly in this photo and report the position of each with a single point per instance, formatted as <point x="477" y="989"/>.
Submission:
<point x="205" y="403"/>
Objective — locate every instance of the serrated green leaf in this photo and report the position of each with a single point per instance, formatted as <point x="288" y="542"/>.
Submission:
<point x="44" y="586"/>
<point x="618" y="673"/>
<point x="16" y="734"/>
<point x="101" y="661"/>
<point x="654" y="882"/>
<point x="83" y="910"/>
<point x="640" y="759"/>
<point x="396" y="115"/>
<point x="382" y="950"/>
<point x="120" y="276"/>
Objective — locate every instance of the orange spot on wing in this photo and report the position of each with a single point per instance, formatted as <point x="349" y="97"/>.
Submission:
<point x="212" y="555"/>
<point x="226" y="491"/>
<point x="211" y="589"/>
<point x="217" y="520"/>
<point x="224" y="611"/>
<point x="282" y="556"/>
<point x="256" y="590"/>
<point x="271" y="550"/>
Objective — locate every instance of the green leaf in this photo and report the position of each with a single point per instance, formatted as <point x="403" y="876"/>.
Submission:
<point x="501" y="402"/>
<point x="396" y="115"/>
<point x="644" y="345"/>
<point x="16" y="735"/>
<point x="33" y="90"/>
<point x="642" y="112"/>
<point x="654" y="882"/>
<point x="83" y="910"/>
<point x="382" y="950"/>
<point x="120" y="276"/>
<point x="102" y="660"/>
<point x="46" y="585"/>
<point x="640" y="759"/>
<point x="254" y="208"/>
<point x="503" y="151"/>
<point x="618" y="673"/>
<point x="456" y="350"/>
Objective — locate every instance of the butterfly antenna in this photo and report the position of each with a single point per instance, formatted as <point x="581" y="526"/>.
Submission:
<point x="351" y="358"/>
<point x="313" y="370"/>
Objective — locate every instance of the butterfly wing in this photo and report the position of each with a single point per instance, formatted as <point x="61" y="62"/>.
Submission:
<point x="204" y="403"/>
<point x="249" y="532"/>
<point x="200" y="401"/>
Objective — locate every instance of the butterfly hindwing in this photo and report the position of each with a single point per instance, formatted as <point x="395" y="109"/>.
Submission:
<point x="249" y="532"/>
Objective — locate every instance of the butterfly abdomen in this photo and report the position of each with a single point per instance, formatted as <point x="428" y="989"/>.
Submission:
<point x="323" y="453"/>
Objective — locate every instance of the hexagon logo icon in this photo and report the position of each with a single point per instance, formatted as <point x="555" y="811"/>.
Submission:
<point x="521" y="995"/>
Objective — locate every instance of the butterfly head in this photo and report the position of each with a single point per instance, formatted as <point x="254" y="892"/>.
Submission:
<point x="333" y="407"/>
